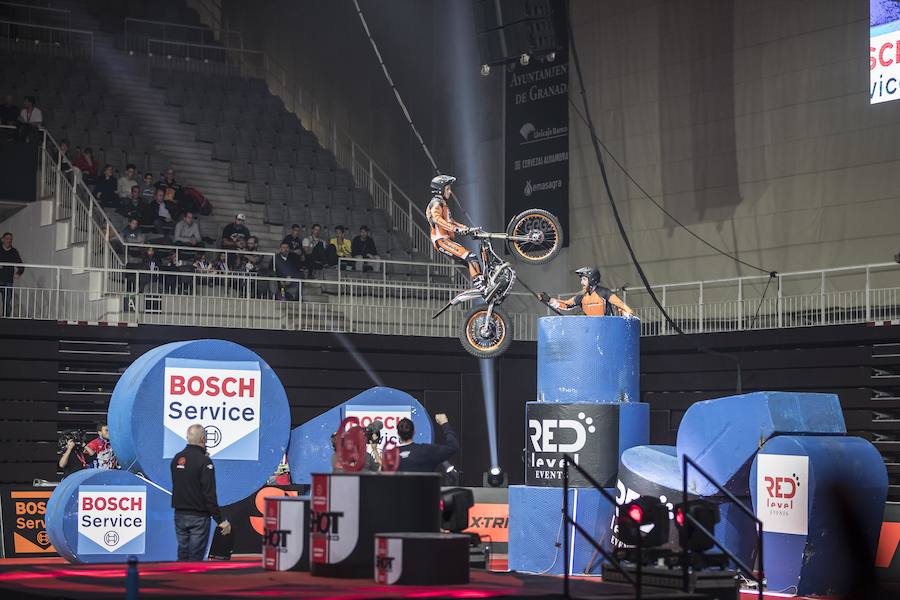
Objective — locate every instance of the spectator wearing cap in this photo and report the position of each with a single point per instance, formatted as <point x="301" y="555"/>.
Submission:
<point x="85" y="162"/>
<point x="105" y="188"/>
<point x="234" y="232"/>
<point x="363" y="246"/>
<point x="126" y="182"/>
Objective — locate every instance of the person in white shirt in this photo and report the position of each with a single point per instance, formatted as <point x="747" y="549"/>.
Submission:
<point x="126" y="182"/>
<point x="31" y="114"/>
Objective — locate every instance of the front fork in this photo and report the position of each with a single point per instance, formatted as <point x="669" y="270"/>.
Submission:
<point x="485" y="329"/>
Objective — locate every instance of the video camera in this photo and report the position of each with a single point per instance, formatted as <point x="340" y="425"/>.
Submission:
<point x="76" y="435"/>
<point x="373" y="432"/>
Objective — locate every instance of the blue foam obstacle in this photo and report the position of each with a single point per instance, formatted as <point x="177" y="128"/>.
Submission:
<point x="226" y="388"/>
<point x="105" y="516"/>
<point x="724" y="434"/>
<point x="310" y="448"/>
<point x="535" y="527"/>
<point x="655" y="471"/>
<point x="588" y="359"/>
<point x="807" y="528"/>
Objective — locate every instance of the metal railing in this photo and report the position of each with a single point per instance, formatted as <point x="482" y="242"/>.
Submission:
<point x="36" y="15"/>
<point x="833" y="296"/>
<point x="137" y="31"/>
<point x="252" y="62"/>
<point x="89" y="224"/>
<point x="46" y="40"/>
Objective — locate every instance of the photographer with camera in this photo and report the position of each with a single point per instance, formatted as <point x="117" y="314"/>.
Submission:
<point x="373" y="456"/>
<point x="72" y="459"/>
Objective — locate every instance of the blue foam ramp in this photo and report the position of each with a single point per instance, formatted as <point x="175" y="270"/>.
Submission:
<point x="723" y="435"/>
<point x="104" y="516"/>
<point x="535" y="527"/>
<point x="221" y="385"/>
<point x="806" y="531"/>
<point x="310" y="444"/>
<point x="588" y="359"/>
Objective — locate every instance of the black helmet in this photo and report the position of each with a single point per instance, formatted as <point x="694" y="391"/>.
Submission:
<point x="592" y="273"/>
<point x="440" y="182"/>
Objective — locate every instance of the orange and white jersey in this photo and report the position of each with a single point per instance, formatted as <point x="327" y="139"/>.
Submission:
<point x="438" y="215"/>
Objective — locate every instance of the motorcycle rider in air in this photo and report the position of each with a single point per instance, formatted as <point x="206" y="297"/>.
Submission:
<point x="594" y="299"/>
<point x="444" y="228"/>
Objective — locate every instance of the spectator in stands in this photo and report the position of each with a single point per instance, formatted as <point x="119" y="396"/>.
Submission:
<point x="252" y="263"/>
<point x="287" y="266"/>
<point x="133" y="235"/>
<point x="233" y="232"/>
<point x="105" y="188"/>
<point x="148" y="188"/>
<point x="293" y="240"/>
<point x="133" y="206"/>
<point x="8" y="274"/>
<point x="126" y="182"/>
<point x="338" y="248"/>
<point x="163" y="221"/>
<point x="169" y="185"/>
<point x="187" y="232"/>
<point x="9" y="112"/>
<point x="150" y="262"/>
<point x="202" y="264"/>
<point x="101" y="450"/>
<point x="30" y="119"/>
<point x="314" y="249"/>
<point x="221" y="265"/>
<point x="85" y="162"/>
<point x="65" y="163"/>
<point x="363" y="246"/>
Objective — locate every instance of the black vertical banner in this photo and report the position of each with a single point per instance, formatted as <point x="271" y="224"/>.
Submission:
<point x="537" y="137"/>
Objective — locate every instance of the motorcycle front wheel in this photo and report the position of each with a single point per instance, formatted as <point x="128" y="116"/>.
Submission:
<point x="543" y="232"/>
<point x="483" y="337"/>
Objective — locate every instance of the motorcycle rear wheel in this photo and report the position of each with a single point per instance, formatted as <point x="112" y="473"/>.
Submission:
<point x="499" y="335"/>
<point x="544" y="228"/>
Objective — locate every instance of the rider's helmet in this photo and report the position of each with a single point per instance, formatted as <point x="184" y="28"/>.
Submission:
<point x="592" y="273"/>
<point x="440" y="182"/>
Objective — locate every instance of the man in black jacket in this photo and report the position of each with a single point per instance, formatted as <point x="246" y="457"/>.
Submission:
<point x="424" y="458"/>
<point x="8" y="274"/>
<point x="194" y="496"/>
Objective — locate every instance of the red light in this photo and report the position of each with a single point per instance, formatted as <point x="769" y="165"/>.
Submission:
<point x="636" y="513"/>
<point x="679" y="517"/>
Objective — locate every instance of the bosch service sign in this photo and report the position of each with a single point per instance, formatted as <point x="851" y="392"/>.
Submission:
<point x="388" y="415"/>
<point x="782" y="493"/>
<point x="112" y="519"/>
<point x="589" y="433"/>
<point x="221" y="396"/>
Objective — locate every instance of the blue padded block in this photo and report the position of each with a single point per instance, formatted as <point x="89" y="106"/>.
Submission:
<point x="654" y="471"/>
<point x="723" y="435"/>
<point x="535" y="519"/>
<point x="588" y="359"/>
<point x="815" y="562"/>
<point x="137" y="408"/>
<point x="157" y="543"/>
<point x="310" y="448"/>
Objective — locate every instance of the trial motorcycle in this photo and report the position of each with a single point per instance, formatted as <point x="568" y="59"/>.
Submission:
<point x="533" y="237"/>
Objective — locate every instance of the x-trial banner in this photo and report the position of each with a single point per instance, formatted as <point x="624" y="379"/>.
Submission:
<point x="884" y="51"/>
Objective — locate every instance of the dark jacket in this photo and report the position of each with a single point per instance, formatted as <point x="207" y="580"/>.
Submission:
<point x="105" y="191"/>
<point x="287" y="267"/>
<point x="9" y="256"/>
<point x="360" y="247"/>
<point x="425" y="458"/>
<point x="194" y="483"/>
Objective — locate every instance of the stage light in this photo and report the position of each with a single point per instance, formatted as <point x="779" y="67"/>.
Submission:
<point x="524" y="59"/>
<point x="551" y="57"/>
<point x="495" y="478"/>
<point x="485" y="70"/>
<point x="704" y="512"/>
<point x="455" y="505"/>
<point x="644" y="521"/>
